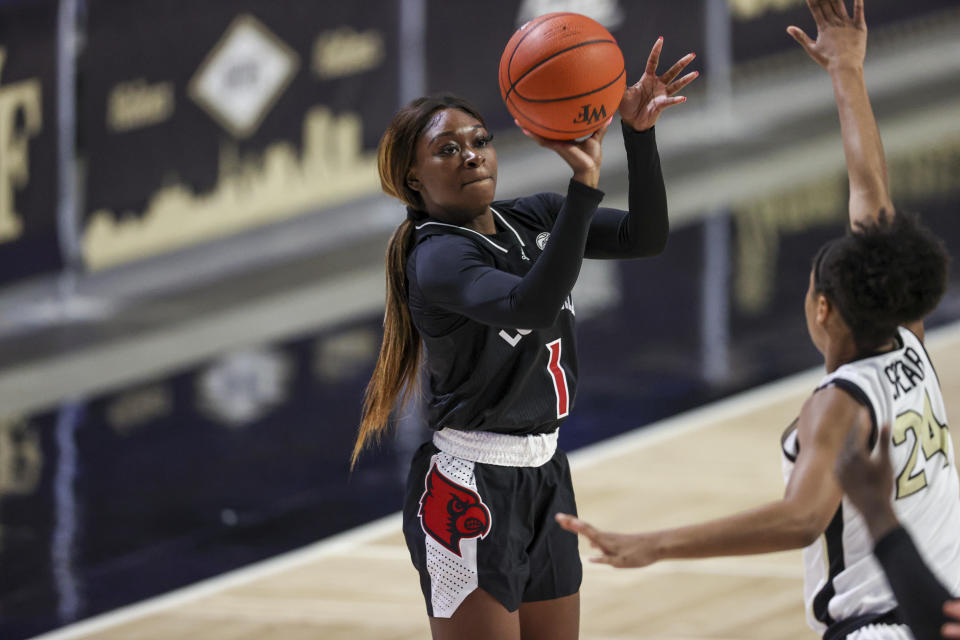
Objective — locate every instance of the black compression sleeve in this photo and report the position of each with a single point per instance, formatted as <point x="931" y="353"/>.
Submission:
<point x="642" y="231"/>
<point x="454" y="277"/>
<point x="920" y="595"/>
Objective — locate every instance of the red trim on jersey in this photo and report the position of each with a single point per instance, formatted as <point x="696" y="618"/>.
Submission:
<point x="559" y="377"/>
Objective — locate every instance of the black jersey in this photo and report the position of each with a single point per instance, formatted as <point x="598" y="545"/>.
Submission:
<point x="495" y="312"/>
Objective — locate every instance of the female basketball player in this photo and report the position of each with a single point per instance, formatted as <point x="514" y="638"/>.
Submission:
<point x="922" y="599"/>
<point x="865" y="304"/>
<point x="486" y="286"/>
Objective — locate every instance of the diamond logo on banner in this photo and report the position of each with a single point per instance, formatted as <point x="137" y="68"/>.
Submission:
<point x="243" y="76"/>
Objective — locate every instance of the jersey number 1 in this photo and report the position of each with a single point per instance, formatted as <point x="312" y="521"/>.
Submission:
<point x="559" y="377"/>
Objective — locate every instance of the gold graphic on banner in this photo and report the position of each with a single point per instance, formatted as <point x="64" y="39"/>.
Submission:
<point x="15" y="99"/>
<point x="136" y="104"/>
<point x="762" y="221"/>
<point x="749" y="9"/>
<point x="345" y="52"/>
<point x="250" y="192"/>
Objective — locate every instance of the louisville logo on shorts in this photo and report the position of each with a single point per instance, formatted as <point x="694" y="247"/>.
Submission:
<point x="450" y="512"/>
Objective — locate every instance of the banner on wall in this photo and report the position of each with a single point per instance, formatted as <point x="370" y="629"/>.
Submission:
<point x="28" y="140"/>
<point x="199" y="120"/>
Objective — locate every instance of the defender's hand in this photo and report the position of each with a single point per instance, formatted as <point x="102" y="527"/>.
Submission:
<point x="952" y="629"/>
<point x="619" y="550"/>
<point x="841" y="38"/>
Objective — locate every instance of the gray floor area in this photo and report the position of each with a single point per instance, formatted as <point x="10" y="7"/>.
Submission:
<point x="326" y="268"/>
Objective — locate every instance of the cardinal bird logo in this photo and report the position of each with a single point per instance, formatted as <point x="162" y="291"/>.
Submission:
<point x="450" y="512"/>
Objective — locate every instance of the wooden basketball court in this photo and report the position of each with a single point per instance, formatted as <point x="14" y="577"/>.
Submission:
<point x="361" y="585"/>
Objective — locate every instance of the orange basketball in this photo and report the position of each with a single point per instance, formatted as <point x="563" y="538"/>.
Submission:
<point x="562" y="76"/>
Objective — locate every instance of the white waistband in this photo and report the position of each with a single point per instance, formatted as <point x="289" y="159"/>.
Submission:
<point x="497" y="448"/>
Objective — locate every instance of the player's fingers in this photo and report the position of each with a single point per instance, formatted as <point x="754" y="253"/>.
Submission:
<point x="952" y="609"/>
<point x="601" y="560"/>
<point x="829" y="10"/>
<point x="816" y="8"/>
<point x="951" y="631"/>
<point x="677" y="67"/>
<point x="662" y="102"/>
<point x="802" y="39"/>
<point x="602" y="131"/>
<point x="858" y="17"/>
<point x="576" y="525"/>
<point x="682" y="82"/>
<point x="567" y="521"/>
<point x="598" y="540"/>
<point x="654" y="58"/>
<point x="837" y="11"/>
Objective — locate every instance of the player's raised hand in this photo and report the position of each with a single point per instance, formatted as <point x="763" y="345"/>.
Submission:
<point x="584" y="156"/>
<point x="841" y="37"/>
<point x="618" y="550"/>
<point x="644" y="101"/>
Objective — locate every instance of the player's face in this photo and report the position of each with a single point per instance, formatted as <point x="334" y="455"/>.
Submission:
<point x="456" y="167"/>
<point x="810" y="307"/>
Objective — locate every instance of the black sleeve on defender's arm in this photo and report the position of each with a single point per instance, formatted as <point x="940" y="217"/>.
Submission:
<point x="643" y="230"/>
<point x="920" y="595"/>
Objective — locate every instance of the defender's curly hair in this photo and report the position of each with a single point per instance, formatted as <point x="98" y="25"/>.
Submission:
<point x="881" y="275"/>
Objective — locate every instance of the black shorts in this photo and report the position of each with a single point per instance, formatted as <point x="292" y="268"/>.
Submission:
<point x="471" y="525"/>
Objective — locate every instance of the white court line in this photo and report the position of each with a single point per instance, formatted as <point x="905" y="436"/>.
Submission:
<point x="583" y="458"/>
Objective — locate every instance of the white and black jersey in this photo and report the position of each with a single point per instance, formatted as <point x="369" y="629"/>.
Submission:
<point x="843" y="580"/>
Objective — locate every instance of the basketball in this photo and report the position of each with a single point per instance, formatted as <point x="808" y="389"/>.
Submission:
<point x="562" y="76"/>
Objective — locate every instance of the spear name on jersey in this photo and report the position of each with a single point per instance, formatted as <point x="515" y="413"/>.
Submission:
<point x="905" y="373"/>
